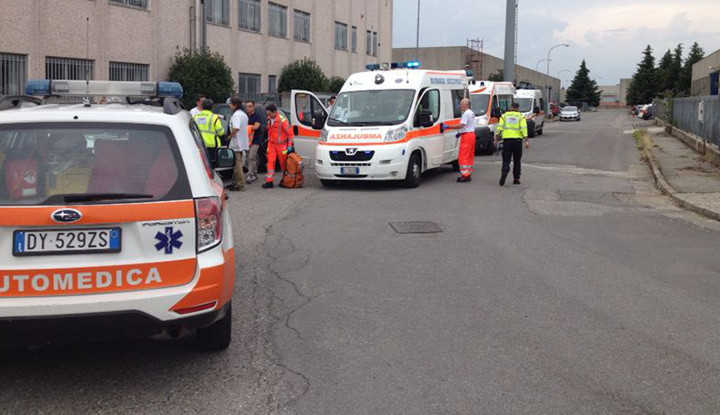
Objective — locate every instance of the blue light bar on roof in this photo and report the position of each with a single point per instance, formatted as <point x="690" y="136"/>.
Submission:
<point x="44" y="87"/>
<point x="394" y="65"/>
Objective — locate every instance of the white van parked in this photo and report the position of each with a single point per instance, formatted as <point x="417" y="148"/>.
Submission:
<point x="489" y="101"/>
<point x="531" y="105"/>
<point x="386" y="124"/>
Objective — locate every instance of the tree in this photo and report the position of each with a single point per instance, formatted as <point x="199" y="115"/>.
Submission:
<point x="644" y="85"/>
<point x="667" y="79"/>
<point x="676" y="68"/>
<point x="498" y="76"/>
<point x="582" y="88"/>
<point x="335" y="84"/>
<point x="302" y="74"/>
<point x="696" y="55"/>
<point x="202" y="72"/>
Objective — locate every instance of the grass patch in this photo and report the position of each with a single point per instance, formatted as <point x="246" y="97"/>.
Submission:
<point x="639" y="142"/>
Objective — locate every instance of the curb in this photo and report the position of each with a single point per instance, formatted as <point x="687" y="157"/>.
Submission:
<point x="666" y="189"/>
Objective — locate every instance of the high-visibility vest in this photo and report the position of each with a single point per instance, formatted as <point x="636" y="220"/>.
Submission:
<point x="210" y="127"/>
<point x="512" y="125"/>
<point x="280" y="132"/>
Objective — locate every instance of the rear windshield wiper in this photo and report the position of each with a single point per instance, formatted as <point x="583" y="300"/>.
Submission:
<point x="96" y="197"/>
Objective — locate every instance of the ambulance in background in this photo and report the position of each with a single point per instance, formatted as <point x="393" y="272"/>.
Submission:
<point x="532" y="105"/>
<point x="386" y="124"/>
<point x="489" y="101"/>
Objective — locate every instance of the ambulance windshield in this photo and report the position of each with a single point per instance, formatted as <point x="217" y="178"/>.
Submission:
<point x="525" y="104"/>
<point x="61" y="163"/>
<point x="374" y="107"/>
<point x="480" y="103"/>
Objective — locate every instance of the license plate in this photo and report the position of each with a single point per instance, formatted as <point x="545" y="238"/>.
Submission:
<point x="349" y="171"/>
<point x="67" y="241"/>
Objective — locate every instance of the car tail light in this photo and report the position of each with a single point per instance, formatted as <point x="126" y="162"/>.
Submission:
<point x="208" y="213"/>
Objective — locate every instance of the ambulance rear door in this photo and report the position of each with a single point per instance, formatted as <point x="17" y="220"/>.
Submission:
<point x="308" y="116"/>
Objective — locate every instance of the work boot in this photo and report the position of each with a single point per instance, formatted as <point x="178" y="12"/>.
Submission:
<point x="268" y="185"/>
<point x="503" y="177"/>
<point x="516" y="181"/>
<point x="464" y="179"/>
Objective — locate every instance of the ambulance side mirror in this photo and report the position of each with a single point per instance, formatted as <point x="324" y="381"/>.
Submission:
<point x="496" y="112"/>
<point x="424" y="119"/>
<point x="537" y="110"/>
<point x="225" y="158"/>
<point x="318" y="123"/>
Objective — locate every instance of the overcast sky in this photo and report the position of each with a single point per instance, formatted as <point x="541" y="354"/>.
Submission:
<point x="609" y="34"/>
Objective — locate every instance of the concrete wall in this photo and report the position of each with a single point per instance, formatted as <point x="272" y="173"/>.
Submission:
<point x="609" y="94"/>
<point x="455" y="57"/>
<point x="624" y="86"/>
<point x="40" y="28"/>
<point x="701" y="73"/>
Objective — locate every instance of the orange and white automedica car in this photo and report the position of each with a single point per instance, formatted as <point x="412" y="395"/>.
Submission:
<point x="112" y="220"/>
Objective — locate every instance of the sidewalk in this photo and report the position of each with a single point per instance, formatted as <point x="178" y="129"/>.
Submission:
<point x="683" y="174"/>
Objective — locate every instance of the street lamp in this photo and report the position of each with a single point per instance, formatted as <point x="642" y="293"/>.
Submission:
<point x="565" y="45"/>
<point x="537" y="71"/>
<point x="417" y="39"/>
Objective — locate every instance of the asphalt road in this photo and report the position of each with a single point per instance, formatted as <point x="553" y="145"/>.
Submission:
<point x="580" y="291"/>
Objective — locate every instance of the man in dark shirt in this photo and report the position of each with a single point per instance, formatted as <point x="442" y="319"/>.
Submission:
<point x="255" y="133"/>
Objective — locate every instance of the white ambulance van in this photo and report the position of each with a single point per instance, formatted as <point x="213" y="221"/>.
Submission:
<point x="531" y="105"/>
<point x="489" y="101"/>
<point x="386" y="124"/>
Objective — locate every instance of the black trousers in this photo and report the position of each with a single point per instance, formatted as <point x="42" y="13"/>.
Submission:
<point x="512" y="150"/>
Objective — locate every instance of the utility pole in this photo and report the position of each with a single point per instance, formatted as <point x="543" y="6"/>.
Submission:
<point x="510" y="45"/>
<point x="417" y="38"/>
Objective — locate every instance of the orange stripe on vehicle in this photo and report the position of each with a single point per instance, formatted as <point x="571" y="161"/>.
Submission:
<point x="479" y="90"/>
<point x="98" y="214"/>
<point x="445" y="73"/>
<point x="96" y="280"/>
<point x="307" y="132"/>
<point x="215" y="284"/>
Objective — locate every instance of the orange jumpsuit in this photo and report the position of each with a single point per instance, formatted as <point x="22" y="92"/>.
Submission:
<point x="280" y="138"/>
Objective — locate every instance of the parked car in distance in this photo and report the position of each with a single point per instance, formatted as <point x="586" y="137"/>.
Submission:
<point x="646" y="112"/>
<point x="570" y="113"/>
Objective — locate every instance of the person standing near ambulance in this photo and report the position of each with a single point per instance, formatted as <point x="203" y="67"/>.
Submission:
<point x="210" y="127"/>
<point x="512" y="128"/>
<point x="466" y="130"/>
<point x="280" y="143"/>
<point x="238" y="143"/>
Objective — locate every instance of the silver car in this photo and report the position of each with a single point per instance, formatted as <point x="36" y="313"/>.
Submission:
<point x="570" y="114"/>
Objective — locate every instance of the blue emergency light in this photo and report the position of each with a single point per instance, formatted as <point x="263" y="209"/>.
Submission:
<point x="46" y="87"/>
<point x="394" y="65"/>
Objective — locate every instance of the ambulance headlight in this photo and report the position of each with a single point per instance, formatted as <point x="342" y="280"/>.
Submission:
<point x="396" y="134"/>
<point x="324" y="135"/>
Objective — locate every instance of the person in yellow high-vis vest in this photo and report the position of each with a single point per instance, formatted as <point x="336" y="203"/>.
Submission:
<point x="210" y="127"/>
<point x="512" y="130"/>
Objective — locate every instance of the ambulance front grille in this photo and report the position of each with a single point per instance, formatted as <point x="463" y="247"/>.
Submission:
<point x="350" y="164"/>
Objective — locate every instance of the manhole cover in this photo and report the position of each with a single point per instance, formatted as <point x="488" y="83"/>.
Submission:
<point x="416" y="227"/>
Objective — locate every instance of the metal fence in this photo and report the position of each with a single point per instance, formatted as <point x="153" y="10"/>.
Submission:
<point x="685" y="114"/>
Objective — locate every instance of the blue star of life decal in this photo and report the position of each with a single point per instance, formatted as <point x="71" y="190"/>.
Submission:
<point x="168" y="240"/>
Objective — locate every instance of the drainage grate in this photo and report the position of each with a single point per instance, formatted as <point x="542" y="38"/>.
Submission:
<point x="415" y="227"/>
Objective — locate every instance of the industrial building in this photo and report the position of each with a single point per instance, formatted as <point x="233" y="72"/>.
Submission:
<point x="482" y="64"/>
<point x="705" y="75"/>
<point x="137" y="39"/>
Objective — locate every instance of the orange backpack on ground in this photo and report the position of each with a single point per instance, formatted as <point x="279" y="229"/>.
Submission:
<point x="293" y="177"/>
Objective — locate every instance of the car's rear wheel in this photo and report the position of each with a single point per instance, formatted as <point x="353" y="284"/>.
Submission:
<point x="217" y="337"/>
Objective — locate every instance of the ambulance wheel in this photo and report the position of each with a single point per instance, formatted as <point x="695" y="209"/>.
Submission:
<point x="328" y="183"/>
<point x="456" y="166"/>
<point x="217" y="337"/>
<point x="531" y="128"/>
<point x="414" y="172"/>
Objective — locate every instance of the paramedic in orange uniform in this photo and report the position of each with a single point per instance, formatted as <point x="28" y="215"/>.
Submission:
<point x="466" y="156"/>
<point x="280" y="143"/>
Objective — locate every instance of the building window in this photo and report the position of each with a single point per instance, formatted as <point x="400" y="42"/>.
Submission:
<point x="353" y="39"/>
<point x="69" y="68"/>
<point x="141" y="4"/>
<point x="374" y="43"/>
<point x="121" y="71"/>
<point x="341" y="36"/>
<point x="368" y="42"/>
<point x="13" y="74"/>
<point x="249" y="15"/>
<point x="302" y="26"/>
<point x="249" y="83"/>
<point x="272" y="84"/>
<point x="277" y="18"/>
<point x="218" y="11"/>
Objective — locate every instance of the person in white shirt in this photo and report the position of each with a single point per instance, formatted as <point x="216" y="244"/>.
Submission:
<point x="466" y="131"/>
<point x="238" y="142"/>
<point x="198" y="105"/>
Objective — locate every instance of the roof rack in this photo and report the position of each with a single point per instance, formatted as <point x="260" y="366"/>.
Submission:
<point x="16" y="101"/>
